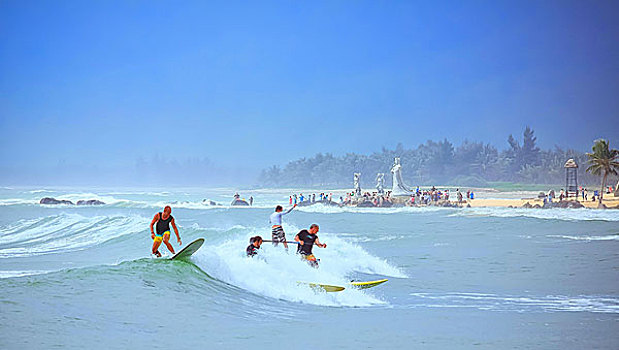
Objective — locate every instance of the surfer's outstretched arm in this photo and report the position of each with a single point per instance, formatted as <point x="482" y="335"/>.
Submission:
<point x="178" y="237"/>
<point x="289" y="210"/>
<point x="321" y="245"/>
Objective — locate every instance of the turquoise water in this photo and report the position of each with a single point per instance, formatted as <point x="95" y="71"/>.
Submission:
<point x="477" y="278"/>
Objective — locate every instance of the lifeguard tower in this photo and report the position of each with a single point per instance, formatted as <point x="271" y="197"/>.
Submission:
<point x="571" y="178"/>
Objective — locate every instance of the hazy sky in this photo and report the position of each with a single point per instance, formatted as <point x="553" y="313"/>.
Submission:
<point x="101" y="83"/>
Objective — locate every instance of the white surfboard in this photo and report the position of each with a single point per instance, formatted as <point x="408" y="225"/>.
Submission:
<point x="188" y="250"/>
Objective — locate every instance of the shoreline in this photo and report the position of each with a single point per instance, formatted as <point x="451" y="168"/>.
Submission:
<point x="611" y="203"/>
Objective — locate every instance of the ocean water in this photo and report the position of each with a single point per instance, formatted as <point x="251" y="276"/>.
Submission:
<point x="477" y="278"/>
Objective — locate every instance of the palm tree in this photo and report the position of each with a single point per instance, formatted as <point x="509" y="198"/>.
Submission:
<point x="603" y="161"/>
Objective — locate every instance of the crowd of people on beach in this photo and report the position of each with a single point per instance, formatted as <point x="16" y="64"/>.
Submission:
<point x="376" y="199"/>
<point x="310" y="198"/>
<point x="382" y="199"/>
<point x="583" y="192"/>
<point x="434" y="195"/>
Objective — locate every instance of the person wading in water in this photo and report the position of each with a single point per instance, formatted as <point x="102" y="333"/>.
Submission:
<point x="163" y="221"/>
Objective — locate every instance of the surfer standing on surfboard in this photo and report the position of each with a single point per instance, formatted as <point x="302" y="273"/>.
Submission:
<point x="163" y="221"/>
<point x="306" y="243"/>
<point x="277" y="231"/>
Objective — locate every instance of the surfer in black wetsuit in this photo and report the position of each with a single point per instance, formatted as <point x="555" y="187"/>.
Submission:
<point x="306" y="240"/>
<point x="163" y="221"/>
<point x="254" y="245"/>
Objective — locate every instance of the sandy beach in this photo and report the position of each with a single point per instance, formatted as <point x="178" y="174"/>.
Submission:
<point x="610" y="202"/>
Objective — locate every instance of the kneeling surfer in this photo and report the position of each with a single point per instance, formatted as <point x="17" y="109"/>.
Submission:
<point x="306" y="243"/>
<point x="163" y="221"/>
<point x="254" y="245"/>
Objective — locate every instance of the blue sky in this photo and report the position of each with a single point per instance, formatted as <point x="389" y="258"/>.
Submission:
<point x="102" y="83"/>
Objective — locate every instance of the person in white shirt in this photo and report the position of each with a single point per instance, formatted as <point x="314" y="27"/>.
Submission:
<point x="277" y="231"/>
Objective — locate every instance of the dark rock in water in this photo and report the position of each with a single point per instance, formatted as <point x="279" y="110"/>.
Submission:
<point x="90" y="202"/>
<point x="537" y="206"/>
<point x="366" y="204"/>
<point x="239" y="202"/>
<point x="575" y="205"/>
<point x="304" y="204"/>
<point x="329" y="203"/>
<point x="49" y="200"/>
<point x="568" y="204"/>
<point x="602" y="206"/>
<point x="563" y="204"/>
<point x="386" y="204"/>
<point x="468" y="205"/>
<point x="527" y="205"/>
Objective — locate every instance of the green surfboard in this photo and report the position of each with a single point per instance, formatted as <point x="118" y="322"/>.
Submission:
<point x="188" y="250"/>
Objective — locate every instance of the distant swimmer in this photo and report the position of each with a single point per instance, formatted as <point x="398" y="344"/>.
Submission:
<point x="277" y="231"/>
<point x="254" y="245"/>
<point x="306" y="243"/>
<point x="163" y="221"/>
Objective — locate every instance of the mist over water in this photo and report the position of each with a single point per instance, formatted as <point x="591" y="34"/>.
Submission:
<point x="77" y="276"/>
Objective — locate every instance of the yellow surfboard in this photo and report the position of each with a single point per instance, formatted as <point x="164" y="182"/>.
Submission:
<point x="358" y="285"/>
<point x="326" y="287"/>
<point x="368" y="284"/>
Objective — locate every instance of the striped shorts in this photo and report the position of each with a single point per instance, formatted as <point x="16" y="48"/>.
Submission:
<point x="278" y="235"/>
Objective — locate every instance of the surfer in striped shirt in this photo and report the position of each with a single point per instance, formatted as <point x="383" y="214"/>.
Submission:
<point x="277" y="231"/>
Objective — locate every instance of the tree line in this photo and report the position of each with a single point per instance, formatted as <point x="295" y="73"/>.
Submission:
<point x="436" y="162"/>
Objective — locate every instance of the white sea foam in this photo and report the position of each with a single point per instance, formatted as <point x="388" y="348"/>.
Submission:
<point x="40" y="191"/>
<point x="324" y="209"/>
<point x="140" y="193"/>
<point x="64" y="232"/>
<point x="548" y="214"/>
<point x="15" y="273"/>
<point x="495" y="302"/>
<point x="17" y="201"/>
<point x="587" y="238"/>
<point x="276" y="274"/>
<point x="359" y="238"/>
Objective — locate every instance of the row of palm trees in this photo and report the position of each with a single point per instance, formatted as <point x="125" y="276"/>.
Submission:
<point x="603" y="162"/>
